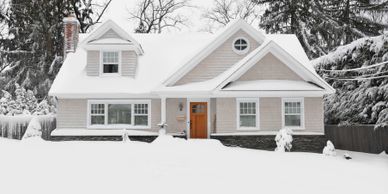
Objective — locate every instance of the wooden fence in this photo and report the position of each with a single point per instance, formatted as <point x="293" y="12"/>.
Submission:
<point x="363" y="138"/>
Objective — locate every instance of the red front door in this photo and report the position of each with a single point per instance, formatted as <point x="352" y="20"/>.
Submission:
<point x="198" y="119"/>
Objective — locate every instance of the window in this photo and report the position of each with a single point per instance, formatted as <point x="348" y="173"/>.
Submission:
<point x="293" y="113"/>
<point x="119" y="114"/>
<point x="110" y="62"/>
<point x="97" y="114"/>
<point x="141" y="114"/>
<point x="241" y="45"/>
<point x="247" y="114"/>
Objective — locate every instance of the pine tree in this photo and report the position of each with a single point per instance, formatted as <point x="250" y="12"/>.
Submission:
<point x="322" y="26"/>
<point x="32" y="56"/>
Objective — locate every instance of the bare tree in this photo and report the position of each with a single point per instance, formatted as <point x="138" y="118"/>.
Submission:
<point x="223" y="11"/>
<point x="88" y="12"/>
<point x="155" y="15"/>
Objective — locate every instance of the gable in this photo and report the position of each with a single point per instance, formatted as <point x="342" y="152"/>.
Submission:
<point x="269" y="68"/>
<point x="221" y="59"/>
<point x="110" y="34"/>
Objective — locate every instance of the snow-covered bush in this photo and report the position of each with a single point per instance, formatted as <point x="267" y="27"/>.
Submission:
<point x="329" y="149"/>
<point x="125" y="136"/>
<point x="283" y="140"/>
<point x="23" y="102"/>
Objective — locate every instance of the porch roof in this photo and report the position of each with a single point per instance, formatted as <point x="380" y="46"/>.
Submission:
<point x="272" y="85"/>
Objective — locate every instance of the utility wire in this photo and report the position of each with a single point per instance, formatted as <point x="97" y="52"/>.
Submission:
<point x="357" y="78"/>
<point x="356" y="69"/>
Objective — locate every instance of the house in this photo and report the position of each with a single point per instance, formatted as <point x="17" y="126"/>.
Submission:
<point x="236" y="83"/>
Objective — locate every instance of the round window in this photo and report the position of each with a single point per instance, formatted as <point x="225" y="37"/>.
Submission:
<point x="240" y="45"/>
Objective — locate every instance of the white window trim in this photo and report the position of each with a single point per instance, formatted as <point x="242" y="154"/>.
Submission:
<point x="118" y="126"/>
<point x="257" y="101"/>
<point x="302" y="121"/>
<point x="241" y="52"/>
<point x="102" y="63"/>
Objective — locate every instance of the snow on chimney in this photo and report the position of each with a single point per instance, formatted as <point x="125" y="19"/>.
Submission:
<point x="71" y="29"/>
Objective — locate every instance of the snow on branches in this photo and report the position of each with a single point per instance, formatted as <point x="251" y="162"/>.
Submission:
<point x="358" y="71"/>
<point x="23" y="102"/>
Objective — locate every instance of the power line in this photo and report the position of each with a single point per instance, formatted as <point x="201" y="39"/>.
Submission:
<point x="357" y="78"/>
<point x="356" y="69"/>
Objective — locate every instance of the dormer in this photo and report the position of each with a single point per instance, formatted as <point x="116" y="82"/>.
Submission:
<point x="111" y="51"/>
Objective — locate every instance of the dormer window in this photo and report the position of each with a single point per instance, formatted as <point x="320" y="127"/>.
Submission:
<point x="110" y="62"/>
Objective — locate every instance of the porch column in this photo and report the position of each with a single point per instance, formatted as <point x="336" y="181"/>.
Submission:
<point x="163" y="120"/>
<point x="163" y="110"/>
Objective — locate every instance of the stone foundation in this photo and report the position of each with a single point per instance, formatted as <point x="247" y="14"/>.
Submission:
<point x="301" y="143"/>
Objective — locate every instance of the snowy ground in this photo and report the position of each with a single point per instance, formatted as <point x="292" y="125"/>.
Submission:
<point x="179" y="166"/>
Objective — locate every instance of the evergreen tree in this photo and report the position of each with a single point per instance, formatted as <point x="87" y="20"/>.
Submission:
<point x="31" y="55"/>
<point x="322" y="26"/>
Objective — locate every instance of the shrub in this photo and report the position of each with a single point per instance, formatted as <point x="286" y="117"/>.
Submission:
<point x="329" y="149"/>
<point x="283" y="140"/>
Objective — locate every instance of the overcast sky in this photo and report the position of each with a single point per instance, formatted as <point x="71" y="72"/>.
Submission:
<point x="118" y="10"/>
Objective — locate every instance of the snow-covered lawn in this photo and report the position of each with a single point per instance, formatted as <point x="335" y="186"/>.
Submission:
<point x="178" y="166"/>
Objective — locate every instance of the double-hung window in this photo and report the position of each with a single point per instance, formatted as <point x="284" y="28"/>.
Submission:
<point x="119" y="114"/>
<point x="97" y="114"/>
<point x="110" y="62"/>
<point x="247" y="114"/>
<point x="293" y="113"/>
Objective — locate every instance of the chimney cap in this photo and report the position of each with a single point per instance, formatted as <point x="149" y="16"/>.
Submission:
<point x="70" y="18"/>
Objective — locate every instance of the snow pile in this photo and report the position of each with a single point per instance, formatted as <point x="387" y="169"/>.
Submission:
<point x="357" y="101"/>
<point x="283" y="140"/>
<point x="34" y="130"/>
<point x="135" y="167"/>
<point x="329" y="149"/>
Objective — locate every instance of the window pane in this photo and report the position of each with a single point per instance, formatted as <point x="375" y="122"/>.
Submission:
<point x="119" y="114"/>
<point x="247" y="108"/>
<point x="111" y="68"/>
<point x="97" y="120"/>
<point x="110" y="57"/>
<point x="141" y="108"/>
<point x="97" y="109"/>
<point x="292" y="120"/>
<point x="247" y="121"/>
<point x="141" y="120"/>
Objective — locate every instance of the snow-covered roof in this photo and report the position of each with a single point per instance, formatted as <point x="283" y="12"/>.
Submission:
<point x="164" y="56"/>
<point x="163" y="53"/>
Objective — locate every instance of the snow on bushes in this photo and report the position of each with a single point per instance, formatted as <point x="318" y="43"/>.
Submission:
<point x="329" y="149"/>
<point x="357" y="101"/>
<point x="283" y="140"/>
<point x="24" y="103"/>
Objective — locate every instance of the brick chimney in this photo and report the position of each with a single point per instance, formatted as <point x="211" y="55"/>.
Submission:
<point x="71" y="29"/>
